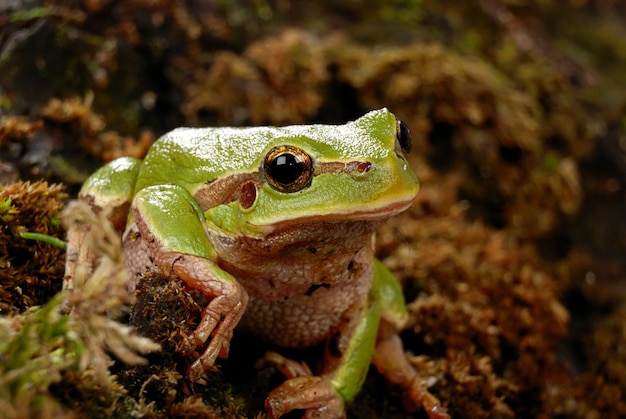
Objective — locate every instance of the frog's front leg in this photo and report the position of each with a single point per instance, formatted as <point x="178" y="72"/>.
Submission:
<point x="348" y="355"/>
<point x="166" y="233"/>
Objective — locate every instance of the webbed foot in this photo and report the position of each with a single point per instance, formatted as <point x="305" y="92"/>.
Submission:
<point x="313" y="394"/>
<point x="302" y="391"/>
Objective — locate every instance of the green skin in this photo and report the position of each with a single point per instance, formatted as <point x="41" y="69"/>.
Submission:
<point x="199" y="188"/>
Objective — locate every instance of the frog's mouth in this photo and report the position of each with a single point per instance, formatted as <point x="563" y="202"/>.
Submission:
<point x="373" y="215"/>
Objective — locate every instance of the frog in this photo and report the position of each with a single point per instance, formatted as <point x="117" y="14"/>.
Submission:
<point x="274" y="227"/>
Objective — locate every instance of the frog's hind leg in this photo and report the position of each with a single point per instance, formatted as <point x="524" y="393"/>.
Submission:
<point x="389" y="357"/>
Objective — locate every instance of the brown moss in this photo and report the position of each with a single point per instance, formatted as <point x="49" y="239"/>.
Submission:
<point x="30" y="271"/>
<point x="165" y="312"/>
<point x="76" y="117"/>
<point x="277" y="80"/>
<point x="14" y="128"/>
<point x="486" y="311"/>
<point x="605" y="378"/>
<point x="504" y="125"/>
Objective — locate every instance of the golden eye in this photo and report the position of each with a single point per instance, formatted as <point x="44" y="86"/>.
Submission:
<point x="288" y="168"/>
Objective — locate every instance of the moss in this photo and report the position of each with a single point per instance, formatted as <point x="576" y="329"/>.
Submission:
<point x="517" y="125"/>
<point x="606" y="375"/>
<point x="30" y="271"/>
<point x="277" y="80"/>
<point x="486" y="317"/>
<point x="76" y="116"/>
<point x="165" y="312"/>
<point x="51" y="359"/>
<point x="15" y="128"/>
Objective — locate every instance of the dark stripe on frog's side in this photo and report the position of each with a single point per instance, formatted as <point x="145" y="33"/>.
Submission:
<point x="237" y="187"/>
<point x="228" y="189"/>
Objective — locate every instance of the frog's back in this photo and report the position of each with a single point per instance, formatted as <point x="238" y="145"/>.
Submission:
<point x="191" y="157"/>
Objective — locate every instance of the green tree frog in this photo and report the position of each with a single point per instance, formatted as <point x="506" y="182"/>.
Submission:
<point x="274" y="226"/>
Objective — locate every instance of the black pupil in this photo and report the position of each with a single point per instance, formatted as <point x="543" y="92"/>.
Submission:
<point x="286" y="168"/>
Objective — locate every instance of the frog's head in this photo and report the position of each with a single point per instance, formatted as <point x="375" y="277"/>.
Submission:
<point x="356" y="171"/>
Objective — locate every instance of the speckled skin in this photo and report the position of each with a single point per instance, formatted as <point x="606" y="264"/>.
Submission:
<point x="302" y="279"/>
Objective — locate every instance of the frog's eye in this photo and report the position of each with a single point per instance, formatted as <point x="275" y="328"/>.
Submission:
<point x="288" y="169"/>
<point x="403" y="137"/>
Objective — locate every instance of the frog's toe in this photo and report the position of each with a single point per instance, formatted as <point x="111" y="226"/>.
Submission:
<point x="187" y="345"/>
<point x="315" y="395"/>
<point x="206" y="361"/>
<point x="333" y="409"/>
<point x="417" y="396"/>
<point x="196" y="372"/>
<point x="288" y="367"/>
<point x="391" y="361"/>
